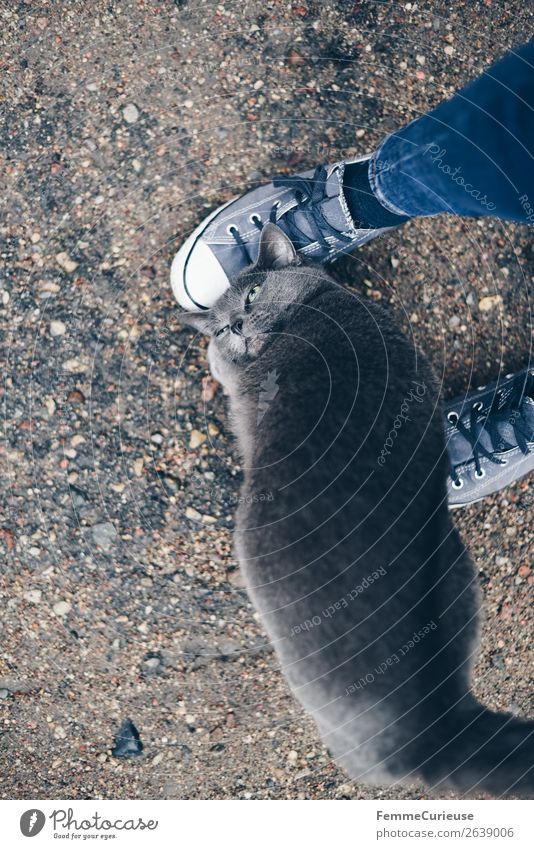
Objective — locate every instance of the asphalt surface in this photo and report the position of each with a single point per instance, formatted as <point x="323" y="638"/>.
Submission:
<point x="122" y="125"/>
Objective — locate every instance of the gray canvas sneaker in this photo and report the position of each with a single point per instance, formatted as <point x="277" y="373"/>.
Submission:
<point x="490" y="437"/>
<point x="311" y="210"/>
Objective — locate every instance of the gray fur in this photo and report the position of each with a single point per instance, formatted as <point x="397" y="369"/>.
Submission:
<point x="339" y="424"/>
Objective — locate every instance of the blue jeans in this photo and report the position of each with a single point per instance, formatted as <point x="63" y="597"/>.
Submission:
<point x="472" y="155"/>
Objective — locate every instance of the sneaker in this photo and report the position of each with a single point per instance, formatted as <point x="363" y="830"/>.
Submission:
<point x="310" y="208"/>
<point x="490" y="437"/>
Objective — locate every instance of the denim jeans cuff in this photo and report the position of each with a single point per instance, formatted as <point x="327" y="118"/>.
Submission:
<point x="375" y="172"/>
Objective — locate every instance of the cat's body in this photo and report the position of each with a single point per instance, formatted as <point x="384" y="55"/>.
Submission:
<point x="344" y="534"/>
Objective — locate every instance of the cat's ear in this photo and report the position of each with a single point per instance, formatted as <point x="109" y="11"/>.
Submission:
<point x="200" y="319"/>
<point x="276" y="250"/>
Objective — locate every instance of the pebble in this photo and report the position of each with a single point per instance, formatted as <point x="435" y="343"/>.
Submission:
<point x="196" y="438"/>
<point x="57" y="328"/>
<point x="65" y="262"/>
<point x="156" y="438"/>
<point x="448" y="49"/>
<point x="130" y="113"/>
<point x="61" y="608"/>
<point x="104" y="534"/>
<point x="127" y="741"/>
<point x="490" y="302"/>
<point x="75" y="366"/>
<point x="193" y="514"/>
<point x="33" y="596"/>
<point x="4" y="693"/>
<point x="454" y="321"/>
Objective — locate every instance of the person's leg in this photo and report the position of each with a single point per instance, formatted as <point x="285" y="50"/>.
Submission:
<point x="472" y="155"/>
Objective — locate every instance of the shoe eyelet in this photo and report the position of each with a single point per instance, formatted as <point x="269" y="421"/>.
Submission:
<point x="478" y="405"/>
<point x="231" y="229"/>
<point x="458" y="484"/>
<point x="508" y="376"/>
<point x="504" y="462"/>
<point x="480" y="388"/>
<point x="453" y="418"/>
<point x="481" y="475"/>
<point x="276" y="204"/>
<point x="255" y="217"/>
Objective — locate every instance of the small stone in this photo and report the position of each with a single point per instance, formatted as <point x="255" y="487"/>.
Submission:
<point x="208" y="520"/>
<point x="188" y="104"/>
<point x="104" y="534"/>
<point x="74" y="366"/>
<point x="394" y="262"/>
<point x="193" y="514"/>
<point x="60" y="732"/>
<point x="448" y="50"/>
<point x="454" y="321"/>
<point x="294" y="57"/>
<point x="57" y="328"/>
<point x="213" y="430"/>
<point x="524" y="571"/>
<point x="65" y="262"/>
<point x="152" y="663"/>
<point x="158" y="759"/>
<point x="196" y="438"/>
<point x="130" y="113"/>
<point x="4" y="693"/>
<point x="76" y="397"/>
<point x="61" y="608"/>
<point x="33" y="596"/>
<point x="127" y="741"/>
<point x="258" y="84"/>
<point x="488" y="303"/>
<point x="420" y="60"/>
<point x="209" y="388"/>
<point x="156" y="438"/>
<point x="138" y="466"/>
<point x="50" y="405"/>
<point x="292" y="756"/>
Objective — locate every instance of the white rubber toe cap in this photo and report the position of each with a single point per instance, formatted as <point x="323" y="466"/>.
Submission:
<point x="197" y="277"/>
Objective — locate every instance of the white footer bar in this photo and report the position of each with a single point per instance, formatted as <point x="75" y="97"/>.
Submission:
<point x="268" y="824"/>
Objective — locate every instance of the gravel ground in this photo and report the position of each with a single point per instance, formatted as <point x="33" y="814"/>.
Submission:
<point x="122" y="125"/>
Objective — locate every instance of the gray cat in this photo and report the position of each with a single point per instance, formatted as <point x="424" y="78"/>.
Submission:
<point x="343" y="532"/>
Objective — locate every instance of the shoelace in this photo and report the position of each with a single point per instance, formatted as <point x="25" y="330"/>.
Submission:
<point x="509" y="413"/>
<point x="309" y="194"/>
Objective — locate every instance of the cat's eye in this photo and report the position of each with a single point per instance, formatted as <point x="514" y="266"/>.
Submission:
<point x="223" y="330"/>
<point x="253" y="294"/>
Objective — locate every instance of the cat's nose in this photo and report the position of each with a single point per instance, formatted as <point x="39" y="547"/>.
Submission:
<point x="237" y="327"/>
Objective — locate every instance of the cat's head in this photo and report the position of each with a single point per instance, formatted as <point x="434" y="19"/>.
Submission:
<point x="261" y="302"/>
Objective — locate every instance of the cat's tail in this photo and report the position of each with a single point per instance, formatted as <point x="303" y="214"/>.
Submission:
<point x="483" y="751"/>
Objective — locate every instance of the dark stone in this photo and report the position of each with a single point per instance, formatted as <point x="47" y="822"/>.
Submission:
<point x="127" y="741"/>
